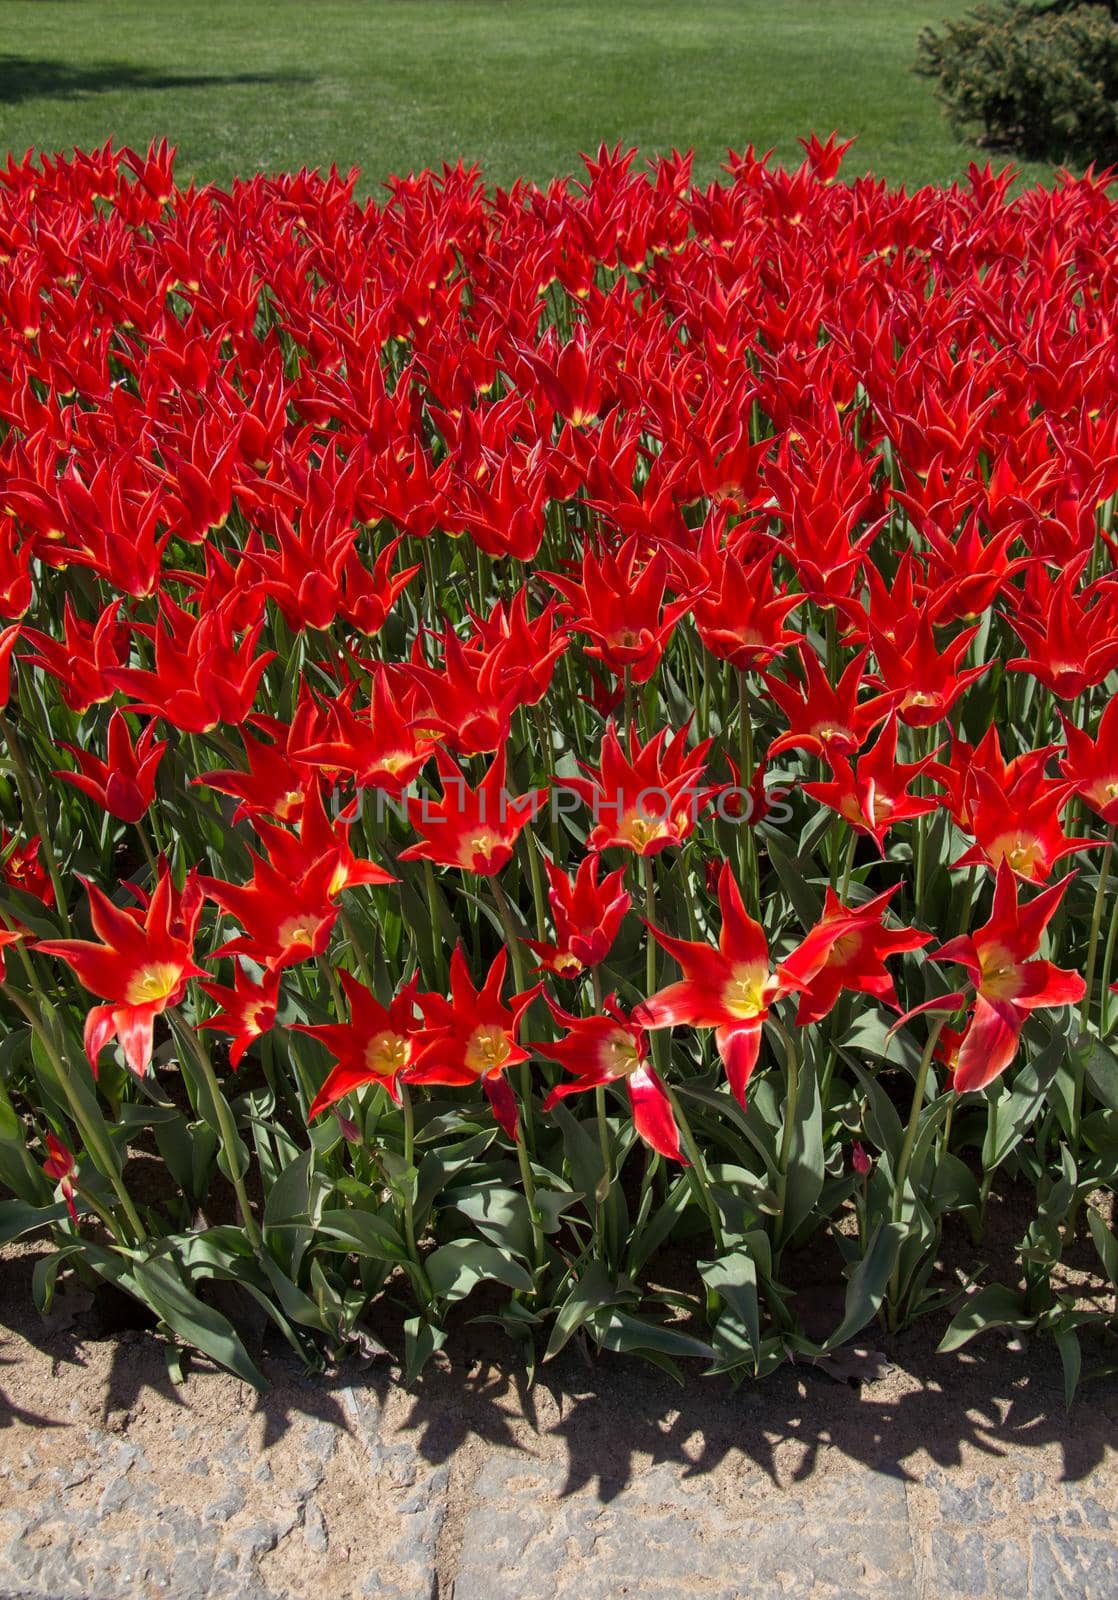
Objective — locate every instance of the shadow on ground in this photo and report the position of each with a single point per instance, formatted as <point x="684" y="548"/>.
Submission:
<point x="607" y="1419"/>
<point x="40" y="78"/>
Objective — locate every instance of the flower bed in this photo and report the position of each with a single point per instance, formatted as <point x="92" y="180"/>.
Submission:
<point x="557" y="735"/>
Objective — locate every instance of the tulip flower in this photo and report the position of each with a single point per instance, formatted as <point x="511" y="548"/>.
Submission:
<point x="612" y="1048"/>
<point x="1019" y="825"/>
<point x="1092" y="764"/>
<point x="376" y="1045"/>
<point x="202" y="674"/>
<point x="81" y="660"/>
<point x="61" y="1168"/>
<point x="275" y="784"/>
<point x="124" y="785"/>
<point x="822" y="720"/>
<point x="587" y="916"/>
<point x="249" y="1009"/>
<point x="140" y="966"/>
<point x="728" y="989"/>
<point x="1008" y="984"/>
<point x="1072" y="643"/>
<point x="471" y="1037"/>
<point x="618" y="603"/>
<point x="21" y="868"/>
<point x="473" y="829"/>
<point x="874" y="796"/>
<point x="8" y="639"/>
<point x="846" y="949"/>
<point x="648" y="799"/>
<point x="285" y="921"/>
<point x="740" y="617"/>
<point x="8" y="936"/>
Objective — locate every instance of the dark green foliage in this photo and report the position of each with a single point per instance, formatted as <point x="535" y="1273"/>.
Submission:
<point x="1041" y="81"/>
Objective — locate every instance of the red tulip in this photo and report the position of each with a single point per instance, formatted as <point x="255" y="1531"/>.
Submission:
<point x="141" y="965"/>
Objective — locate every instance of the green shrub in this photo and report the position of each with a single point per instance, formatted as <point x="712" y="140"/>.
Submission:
<point x="1042" y="82"/>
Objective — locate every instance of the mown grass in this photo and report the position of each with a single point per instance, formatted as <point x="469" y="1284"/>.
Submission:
<point x="519" y="85"/>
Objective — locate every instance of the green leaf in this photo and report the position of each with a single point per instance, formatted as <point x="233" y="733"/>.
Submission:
<point x="583" y="1154"/>
<point x="363" y="1233"/>
<point x="805" y="900"/>
<point x="1017" y="1110"/>
<point x="883" y="1125"/>
<point x="438" y="1167"/>
<point x="1105" y="1243"/>
<point x="992" y="1307"/>
<point x="805" y="1157"/>
<point x="619" y="1331"/>
<point x="454" y="1269"/>
<point x="158" y="1284"/>
<point x="421" y="1341"/>
<point x="593" y="1290"/>
<point x="733" y="1277"/>
<point x="1071" y="1358"/>
<point x="869" y="1281"/>
<point x="18" y="1218"/>
<point x="500" y="1215"/>
<point x="1101" y="1072"/>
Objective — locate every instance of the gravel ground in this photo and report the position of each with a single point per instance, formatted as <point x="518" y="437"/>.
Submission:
<point x="939" y="1476"/>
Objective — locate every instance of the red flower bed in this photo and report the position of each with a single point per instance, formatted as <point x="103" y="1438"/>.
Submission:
<point x="552" y="725"/>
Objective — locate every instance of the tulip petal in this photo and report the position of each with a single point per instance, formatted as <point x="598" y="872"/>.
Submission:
<point x="503" y="1101"/>
<point x="653" y="1117"/>
<point x="739" y="1047"/>
<point x="990" y="1043"/>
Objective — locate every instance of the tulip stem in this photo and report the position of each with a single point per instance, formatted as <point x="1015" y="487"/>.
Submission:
<point x="94" y="1138"/>
<point x="516" y="955"/>
<point x="848" y="864"/>
<point x="748" y="854"/>
<point x="602" y="1196"/>
<point x="700" y="1177"/>
<point x="226" y="1126"/>
<point x="436" y="930"/>
<point x="539" y="1249"/>
<point x="1093" y="941"/>
<point x="1108" y="965"/>
<point x="408" y="1198"/>
<point x="791" y="1105"/>
<point x="358" y="954"/>
<point x="26" y="784"/>
<point x="904" y="1160"/>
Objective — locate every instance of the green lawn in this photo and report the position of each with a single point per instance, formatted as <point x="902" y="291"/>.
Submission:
<point x="519" y="85"/>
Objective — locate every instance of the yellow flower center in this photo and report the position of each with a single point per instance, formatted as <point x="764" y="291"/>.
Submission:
<point x="386" y="1053"/>
<point x="1023" y="855"/>
<point x="294" y="932"/>
<point x="154" y="982"/>
<point x="744" y="994"/>
<point x="637" y="830"/>
<point x="620" y="1056"/>
<point x="487" y="1049"/>
<point x="479" y="844"/>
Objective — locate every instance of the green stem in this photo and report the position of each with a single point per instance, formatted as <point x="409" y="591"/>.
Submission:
<point x="699" y="1176"/>
<point x="1096" y="925"/>
<point x="94" y="1138"/>
<point x="848" y="864"/>
<point x="29" y="795"/>
<point x="516" y="954"/>
<point x="748" y="851"/>
<point x="359" y="955"/>
<point x="904" y="1160"/>
<point x="791" y="1104"/>
<point x="409" y="1209"/>
<point x="226" y="1126"/>
<point x="1108" y="965"/>
<point x="539" y="1249"/>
